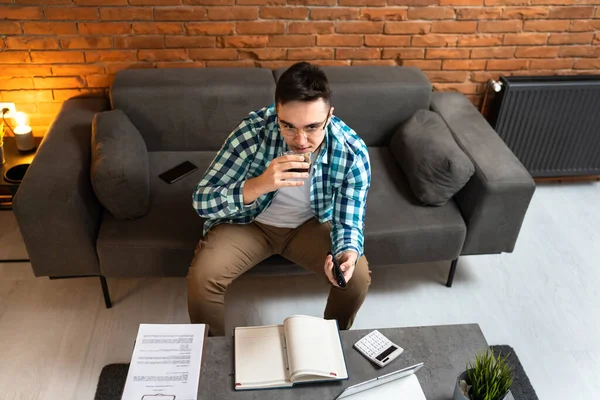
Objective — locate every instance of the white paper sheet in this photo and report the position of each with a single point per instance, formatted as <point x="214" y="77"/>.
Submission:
<point x="166" y="362"/>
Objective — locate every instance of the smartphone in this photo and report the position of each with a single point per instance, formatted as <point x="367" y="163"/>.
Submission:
<point x="178" y="172"/>
<point x="338" y="275"/>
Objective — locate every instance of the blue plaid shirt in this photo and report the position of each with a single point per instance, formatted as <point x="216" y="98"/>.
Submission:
<point x="340" y="178"/>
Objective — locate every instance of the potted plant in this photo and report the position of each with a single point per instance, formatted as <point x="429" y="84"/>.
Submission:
<point x="489" y="378"/>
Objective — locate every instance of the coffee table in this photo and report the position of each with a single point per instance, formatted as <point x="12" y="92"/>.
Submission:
<point x="445" y="350"/>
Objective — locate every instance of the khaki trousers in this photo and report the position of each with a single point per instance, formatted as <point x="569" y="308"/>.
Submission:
<point x="229" y="250"/>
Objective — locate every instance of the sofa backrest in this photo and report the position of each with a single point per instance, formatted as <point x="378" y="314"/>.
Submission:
<point x="190" y="109"/>
<point x="375" y="100"/>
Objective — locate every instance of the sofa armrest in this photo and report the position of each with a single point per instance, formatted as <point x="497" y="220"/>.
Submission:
<point x="56" y="209"/>
<point x="494" y="202"/>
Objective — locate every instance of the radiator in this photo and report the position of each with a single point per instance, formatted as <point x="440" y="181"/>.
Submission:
<point x="551" y="123"/>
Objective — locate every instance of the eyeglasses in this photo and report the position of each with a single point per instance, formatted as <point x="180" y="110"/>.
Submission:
<point x="309" y="131"/>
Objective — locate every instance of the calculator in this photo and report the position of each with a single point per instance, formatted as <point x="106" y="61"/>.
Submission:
<point x="378" y="349"/>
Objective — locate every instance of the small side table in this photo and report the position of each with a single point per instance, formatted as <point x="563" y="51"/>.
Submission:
<point x="13" y="158"/>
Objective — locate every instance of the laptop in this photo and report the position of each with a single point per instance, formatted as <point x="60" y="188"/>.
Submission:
<point x="402" y="384"/>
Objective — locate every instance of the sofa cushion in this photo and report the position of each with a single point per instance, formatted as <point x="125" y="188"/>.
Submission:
<point x="374" y="100"/>
<point x="436" y="167"/>
<point x="398" y="230"/>
<point x="190" y="109"/>
<point x="119" y="167"/>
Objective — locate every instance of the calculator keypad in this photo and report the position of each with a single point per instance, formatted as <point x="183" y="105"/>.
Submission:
<point x="377" y="347"/>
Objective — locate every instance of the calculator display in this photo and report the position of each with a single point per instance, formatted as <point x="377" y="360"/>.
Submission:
<point x="386" y="353"/>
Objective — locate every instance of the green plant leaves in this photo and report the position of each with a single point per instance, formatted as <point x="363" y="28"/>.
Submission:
<point x="490" y="377"/>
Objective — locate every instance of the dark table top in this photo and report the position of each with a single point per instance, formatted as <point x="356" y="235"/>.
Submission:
<point x="15" y="157"/>
<point x="445" y="350"/>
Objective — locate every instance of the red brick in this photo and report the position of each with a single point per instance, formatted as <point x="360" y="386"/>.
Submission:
<point x="597" y="39"/>
<point x="20" y="13"/>
<point x="212" y="28"/>
<point x="412" y="3"/>
<point x="162" y="55"/>
<point x="231" y="64"/>
<point x="359" y="27"/>
<point x="101" y="2"/>
<point x="424" y="65"/>
<point x="507" y="65"/>
<point x="589" y="63"/>
<point x="525" y="12"/>
<point x="291" y="41"/>
<point x="11" y="83"/>
<point x="579" y="51"/>
<point x="263" y="54"/>
<point x="59" y="82"/>
<point x="334" y="13"/>
<point x="571" y="12"/>
<point x="71" y="13"/>
<point x="465" y="88"/>
<point x="362" y="3"/>
<point x="447" y="76"/>
<point x="478" y="13"/>
<point x="86" y="42"/>
<point x="260" y="2"/>
<point x="19" y="71"/>
<point x="31" y="43"/>
<point x="111" y="68"/>
<point x="331" y="63"/>
<point x="558" y="63"/>
<point x="47" y="2"/>
<point x="584" y="26"/>
<point x="140" y="42"/>
<point x="27" y="95"/>
<point x="555" y="25"/>
<point x="260" y="27"/>
<point x="482" y="77"/>
<point x="493" y="52"/>
<point x="461" y="2"/>
<point x="104" y="28"/>
<point x="406" y="53"/>
<point x="514" y="25"/>
<point x="571" y="38"/>
<point x="180" y="14"/>
<point x="479" y="40"/>
<point x="454" y="27"/>
<point x="526" y="38"/>
<point x="434" y="40"/>
<point x="209" y="2"/>
<point x="179" y="64"/>
<point x="283" y="12"/>
<point x="70" y="70"/>
<point x="407" y="27"/>
<point x="430" y="13"/>
<point x="126" y="14"/>
<point x="463" y="65"/>
<point x="98" y="81"/>
<point x="357" y="54"/>
<point x="49" y="28"/>
<point x="56" y="57"/>
<point x="156" y="28"/>
<point x="275" y="64"/>
<point x="110" y="55"/>
<point x="340" y="40"/>
<point x="232" y="14"/>
<point x="383" y="14"/>
<point x="597" y="14"/>
<point x="446" y="53"/>
<point x="387" y="41"/>
<point x="537" y="52"/>
<point x="243" y="41"/>
<point x="212" y="54"/>
<point x="310" y="54"/>
<point x="308" y="2"/>
<point x="324" y="27"/>
<point x="154" y="2"/>
<point x="374" y="62"/>
<point x="49" y="108"/>
<point x="10" y="28"/>
<point x="190" y="41"/>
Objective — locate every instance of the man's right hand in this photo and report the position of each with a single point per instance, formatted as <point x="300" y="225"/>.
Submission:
<point x="276" y="176"/>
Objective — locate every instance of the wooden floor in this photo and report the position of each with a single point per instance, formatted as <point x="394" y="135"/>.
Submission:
<point x="543" y="299"/>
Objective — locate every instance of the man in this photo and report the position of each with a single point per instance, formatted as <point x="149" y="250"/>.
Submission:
<point x="258" y="202"/>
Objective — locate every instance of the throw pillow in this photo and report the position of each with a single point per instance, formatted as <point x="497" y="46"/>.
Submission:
<point x="434" y="164"/>
<point x="120" y="171"/>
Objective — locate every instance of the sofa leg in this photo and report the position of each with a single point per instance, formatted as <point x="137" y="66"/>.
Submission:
<point x="451" y="274"/>
<point x="105" y="292"/>
<point x="103" y="283"/>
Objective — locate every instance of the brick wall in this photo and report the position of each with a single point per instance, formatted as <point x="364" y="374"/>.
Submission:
<point x="55" y="49"/>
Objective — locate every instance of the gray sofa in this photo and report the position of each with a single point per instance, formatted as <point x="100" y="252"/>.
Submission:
<point x="186" y="114"/>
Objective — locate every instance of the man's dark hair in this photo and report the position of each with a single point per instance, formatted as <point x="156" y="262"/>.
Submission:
<point x="302" y="82"/>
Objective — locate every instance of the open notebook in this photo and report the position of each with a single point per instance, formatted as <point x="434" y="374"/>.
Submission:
<point x="303" y="349"/>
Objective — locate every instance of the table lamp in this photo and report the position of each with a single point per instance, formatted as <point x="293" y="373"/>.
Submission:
<point x="23" y="133"/>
